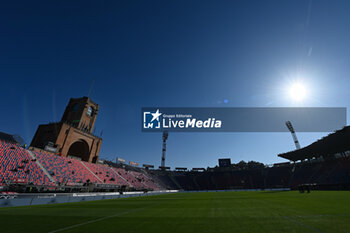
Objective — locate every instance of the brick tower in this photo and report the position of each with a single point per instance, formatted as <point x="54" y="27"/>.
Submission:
<point x="72" y="136"/>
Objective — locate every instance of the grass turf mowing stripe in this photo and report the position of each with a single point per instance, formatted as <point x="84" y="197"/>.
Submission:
<point x="96" y="220"/>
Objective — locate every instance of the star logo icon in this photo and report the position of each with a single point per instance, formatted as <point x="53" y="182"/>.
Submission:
<point x="156" y="115"/>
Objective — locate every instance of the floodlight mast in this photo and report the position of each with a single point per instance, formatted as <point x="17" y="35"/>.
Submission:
<point x="165" y="137"/>
<point x="295" y="139"/>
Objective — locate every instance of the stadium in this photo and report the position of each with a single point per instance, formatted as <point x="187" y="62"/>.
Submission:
<point x="92" y="137"/>
<point x="37" y="176"/>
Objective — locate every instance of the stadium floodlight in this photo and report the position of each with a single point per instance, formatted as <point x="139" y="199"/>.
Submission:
<point x="292" y="131"/>
<point x="165" y="137"/>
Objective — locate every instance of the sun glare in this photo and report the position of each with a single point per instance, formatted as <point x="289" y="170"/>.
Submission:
<point x="297" y="91"/>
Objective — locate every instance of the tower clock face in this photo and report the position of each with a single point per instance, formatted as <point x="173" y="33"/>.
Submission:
<point x="89" y="111"/>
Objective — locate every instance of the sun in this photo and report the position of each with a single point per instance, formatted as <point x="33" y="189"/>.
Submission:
<point x="297" y="91"/>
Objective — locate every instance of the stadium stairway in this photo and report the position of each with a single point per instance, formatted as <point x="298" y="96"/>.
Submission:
<point x="87" y="168"/>
<point x="155" y="181"/>
<point x="175" y="182"/>
<point x="196" y="182"/>
<point x="17" y="165"/>
<point x="42" y="167"/>
<point x="64" y="170"/>
<point x="120" y="176"/>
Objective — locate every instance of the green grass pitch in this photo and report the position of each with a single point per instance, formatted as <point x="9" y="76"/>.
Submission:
<point x="289" y="211"/>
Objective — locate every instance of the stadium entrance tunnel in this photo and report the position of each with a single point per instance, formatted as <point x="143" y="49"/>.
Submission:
<point x="79" y="149"/>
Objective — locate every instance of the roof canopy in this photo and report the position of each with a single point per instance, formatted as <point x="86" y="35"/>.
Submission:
<point x="336" y="142"/>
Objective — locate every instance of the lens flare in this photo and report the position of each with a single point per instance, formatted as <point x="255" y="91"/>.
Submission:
<point x="298" y="91"/>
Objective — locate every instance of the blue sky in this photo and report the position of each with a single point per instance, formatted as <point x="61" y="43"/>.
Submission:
<point x="171" y="54"/>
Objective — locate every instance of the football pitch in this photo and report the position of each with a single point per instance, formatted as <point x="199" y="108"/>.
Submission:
<point x="289" y="211"/>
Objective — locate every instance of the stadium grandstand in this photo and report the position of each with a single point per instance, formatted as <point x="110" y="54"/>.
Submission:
<point x="23" y="170"/>
<point x="325" y="164"/>
<point x="58" y="161"/>
<point x="63" y="165"/>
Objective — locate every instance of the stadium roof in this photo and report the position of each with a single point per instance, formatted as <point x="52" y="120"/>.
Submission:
<point x="336" y="142"/>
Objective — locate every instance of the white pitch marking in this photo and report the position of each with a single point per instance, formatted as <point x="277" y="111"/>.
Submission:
<point x="95" y="220"/>
<point x="303" y="224"/>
